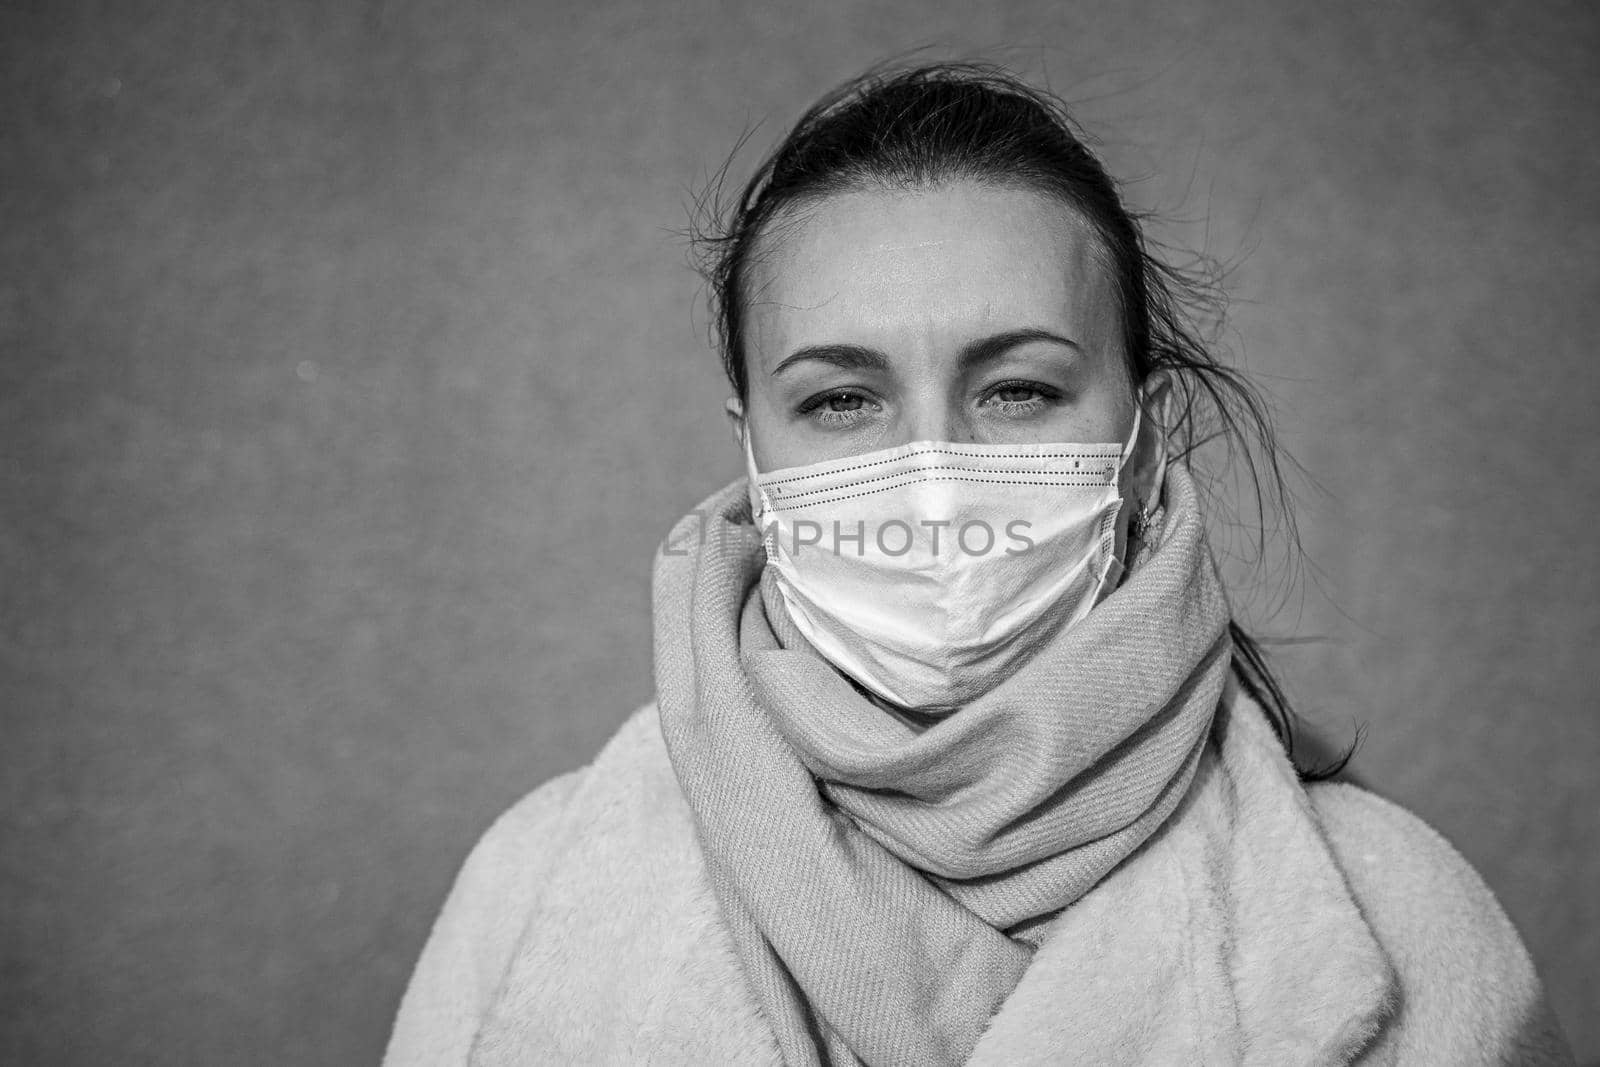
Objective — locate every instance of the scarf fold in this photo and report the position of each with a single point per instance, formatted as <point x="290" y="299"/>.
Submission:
<point x="878" y="879"/>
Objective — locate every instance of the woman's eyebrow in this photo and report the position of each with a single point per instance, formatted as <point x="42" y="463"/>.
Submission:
<point x="848" y="357"/>
<point x="859" y="357"/>
<point x="999" y="344"/>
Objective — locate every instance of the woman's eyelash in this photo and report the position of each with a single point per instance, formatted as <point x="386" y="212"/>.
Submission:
<point x="814" y="402"/>
<point x="818" y="405"/>
<point x="1040" y="391"/>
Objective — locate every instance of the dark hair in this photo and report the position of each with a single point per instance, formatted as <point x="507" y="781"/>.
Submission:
<point x="928" y="125"/>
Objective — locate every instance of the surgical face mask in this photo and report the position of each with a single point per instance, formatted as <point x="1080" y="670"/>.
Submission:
<point x="928" y="572"/>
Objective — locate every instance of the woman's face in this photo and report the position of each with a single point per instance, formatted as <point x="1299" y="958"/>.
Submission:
<point x="962" y="313"/>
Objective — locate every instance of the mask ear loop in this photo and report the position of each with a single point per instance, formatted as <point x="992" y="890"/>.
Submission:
<point x="757" y="497"/>
<point x="1133" y="437"/>
<point x="1116" y="568"/>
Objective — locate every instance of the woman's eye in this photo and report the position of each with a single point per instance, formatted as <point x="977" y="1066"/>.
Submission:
<point x="839" y="406"/>
<point x="1020" y="398"/>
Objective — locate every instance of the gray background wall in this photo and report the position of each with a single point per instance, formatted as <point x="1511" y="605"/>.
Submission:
<point x="351" y="373"/>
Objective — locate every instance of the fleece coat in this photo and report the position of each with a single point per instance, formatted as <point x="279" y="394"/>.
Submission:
<point x="1264" y="923"/>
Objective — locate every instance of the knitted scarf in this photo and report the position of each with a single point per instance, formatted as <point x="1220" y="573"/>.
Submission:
<point x="881" y="883"/>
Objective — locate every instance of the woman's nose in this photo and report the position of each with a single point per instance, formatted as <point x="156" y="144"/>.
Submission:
<point x="933" y="418"/>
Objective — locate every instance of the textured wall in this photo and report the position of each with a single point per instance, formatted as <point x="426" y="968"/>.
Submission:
<point x="349" y="372"/>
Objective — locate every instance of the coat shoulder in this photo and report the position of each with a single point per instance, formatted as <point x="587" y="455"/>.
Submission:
<point x="1466" y="981"/>
<point x="530" y="835"/>
<point x="622" y="954"/>
<point x="476" y="932"/>
<point x="629" y="777"/>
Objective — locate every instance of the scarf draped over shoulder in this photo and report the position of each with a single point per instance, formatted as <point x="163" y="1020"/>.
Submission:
<point x="881" y="882"/>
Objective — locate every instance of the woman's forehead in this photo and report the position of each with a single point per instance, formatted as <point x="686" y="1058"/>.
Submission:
<point x="952" y="259"/>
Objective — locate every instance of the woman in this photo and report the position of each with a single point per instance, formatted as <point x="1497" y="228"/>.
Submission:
<point x="958" y="756"/>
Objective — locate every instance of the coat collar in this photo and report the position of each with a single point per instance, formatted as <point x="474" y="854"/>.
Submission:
<point x="1230" y="937"/>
